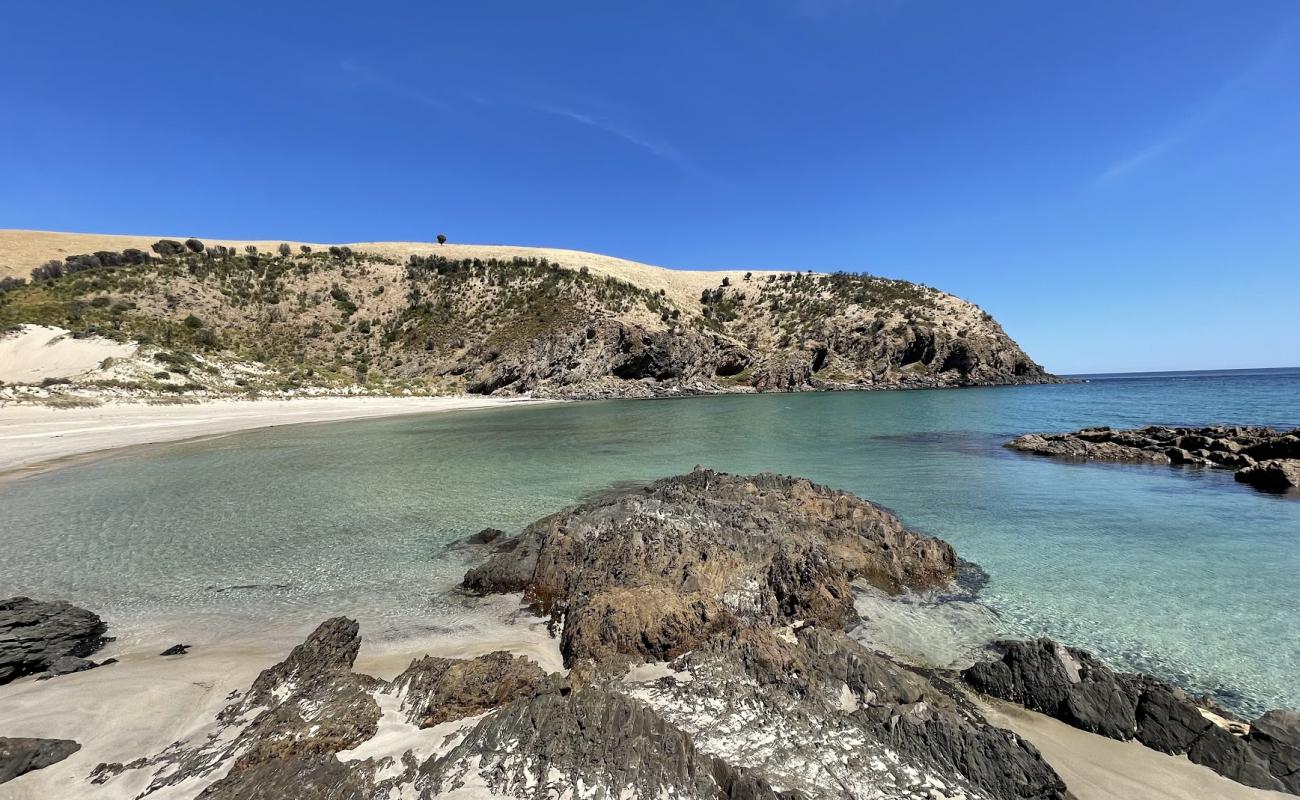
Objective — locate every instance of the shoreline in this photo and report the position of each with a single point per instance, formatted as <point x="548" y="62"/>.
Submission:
<point x="155" y="700"/>
<point x="40" y="438"/>
<point x="182" y="695"/>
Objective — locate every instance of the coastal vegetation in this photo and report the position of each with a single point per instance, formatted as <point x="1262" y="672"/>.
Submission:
<point x="433" y="323"/>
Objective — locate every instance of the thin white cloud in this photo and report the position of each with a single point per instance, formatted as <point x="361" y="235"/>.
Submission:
<point x="362" y="75"/>
<point x="1216" y="104"/>
<point x="613" y="127"/>
<point x="1126" y="165"/>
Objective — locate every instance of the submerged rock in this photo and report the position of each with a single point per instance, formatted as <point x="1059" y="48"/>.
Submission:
<point x="20" y="756"/>
<point x="1075" y="687"/>
<point x="46" y="637"/>
<point x="1262" y="457"/>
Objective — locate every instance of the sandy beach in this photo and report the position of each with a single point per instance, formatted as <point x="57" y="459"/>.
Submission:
<point x="1096" y="768"/>
<point x="32" y="436"/>
<point x="153" y="700"/>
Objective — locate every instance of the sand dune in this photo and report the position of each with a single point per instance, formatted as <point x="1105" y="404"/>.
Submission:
<point x="22" y="250"/>
<point x="38" y="352"/>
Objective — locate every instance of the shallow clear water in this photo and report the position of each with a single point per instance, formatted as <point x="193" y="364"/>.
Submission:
<point x="1181" y="573"/>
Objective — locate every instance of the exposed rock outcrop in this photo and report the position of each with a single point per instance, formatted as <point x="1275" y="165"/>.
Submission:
<point x="20" y="756"/>
<point x="1075" y="687"/>
<point x="53" y="637"/>
<point x="742" y="581"/>
<point x="654" y="572"/>
<point x="567" y="737"/>
<point x="1262" y="457"/>
<point x="435" y="690"/>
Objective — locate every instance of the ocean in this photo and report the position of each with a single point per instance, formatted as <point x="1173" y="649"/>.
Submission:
<point x="1182" y="573"/>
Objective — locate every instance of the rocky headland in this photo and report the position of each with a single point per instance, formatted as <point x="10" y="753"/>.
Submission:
<point x="1265" y="458"/>
<point x="702" y="628"/>
<point x="172" y="318"/>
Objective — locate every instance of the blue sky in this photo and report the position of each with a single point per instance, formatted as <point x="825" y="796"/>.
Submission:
<point x="1117" y="182"/>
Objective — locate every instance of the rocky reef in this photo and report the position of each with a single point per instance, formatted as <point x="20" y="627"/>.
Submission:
<point x="702" y="624"/>
<point x="1265" y="458"/>
<point x="1076" y="687"/>
<point x="51" y="638"/>
<point x="701" y="619"/>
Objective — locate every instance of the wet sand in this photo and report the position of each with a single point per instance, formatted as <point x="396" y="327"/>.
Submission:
<point x="34" y="436"/>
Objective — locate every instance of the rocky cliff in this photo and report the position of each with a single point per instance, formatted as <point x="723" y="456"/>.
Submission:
<point x="210" y="317"/>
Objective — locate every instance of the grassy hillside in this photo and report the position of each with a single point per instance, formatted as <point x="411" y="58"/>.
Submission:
<point x="433" y="318"/>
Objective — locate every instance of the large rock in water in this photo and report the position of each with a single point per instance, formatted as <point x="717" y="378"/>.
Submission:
<point x="1075" y="687"/>
<point x="1277" y="474"/>
<point x="651" y="573"/>
<point x="37" y="636"/>
<point x="20" y="756"/>
<point x="1262" y="457"/>
<point x="745" y="579"/>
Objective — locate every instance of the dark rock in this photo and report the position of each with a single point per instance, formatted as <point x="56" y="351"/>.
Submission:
<point x="1062" y="682"/>
<point x="34" y="635"/>
<point x="20" y="756"/>
<point x="1275" y="739"/>
<point x="996" y="761"/>
<point x="653" y="572"/>
<point x="1284" y="446"/>
<point x="435" y="690"/>
<point x="287" y="729"/>
<point x="1275" y="475"/>
<point x="564" y="734"/>
<point x="1232" y="757"/>
<point x="1073" y="686"/>
<point x="176" y="650"/>
<point x="1236" y="448"/>
<point x="66" y="665"/>
<point x="1167" y="720"/>
<point x="823" y="716"/>
<point x="485" y="536"/>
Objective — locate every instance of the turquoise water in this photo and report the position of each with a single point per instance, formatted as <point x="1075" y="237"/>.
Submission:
<point x="1181" y="573"/>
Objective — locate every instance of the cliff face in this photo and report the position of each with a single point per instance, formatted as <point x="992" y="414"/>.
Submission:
<point x="523" y="324"/>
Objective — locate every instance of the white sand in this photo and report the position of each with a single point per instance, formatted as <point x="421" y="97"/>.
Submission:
<point x="1096" y="768"/>
<point x="31" y="435"/>
<point x="145" y="702"/>
<point x="39" y="352"/>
